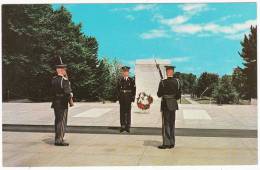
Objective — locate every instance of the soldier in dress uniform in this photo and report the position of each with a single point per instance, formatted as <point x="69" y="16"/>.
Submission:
<point x="170" y="91"/>
<point x="62" y="95"/>
<point x="126" y="94"/>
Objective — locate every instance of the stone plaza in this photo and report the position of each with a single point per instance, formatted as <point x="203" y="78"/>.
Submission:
<point x="206" y="134"/>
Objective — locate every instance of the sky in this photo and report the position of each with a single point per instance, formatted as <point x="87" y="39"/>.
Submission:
<point x="194" y="37"/>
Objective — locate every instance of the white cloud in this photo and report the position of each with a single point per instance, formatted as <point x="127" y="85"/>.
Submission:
<point x="187" y="28"/>
<point x="174" y="21"/>
<point x="180" y="24"/>
<point x="139" y="7"/>
<point x="142" y="7"/>
<point x="226" y="30"/>
<point x="130" y="17"/>
<point x="155" y="33"/>
<point x="189" y="11"/>
<point x="179" y="59"/>
<point x="238" y="36"/>
<point x="230" y="16"/>
<point x="194" y="8"/>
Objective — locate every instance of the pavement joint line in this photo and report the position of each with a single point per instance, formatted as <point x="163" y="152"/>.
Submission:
<point x="193" y="132"/>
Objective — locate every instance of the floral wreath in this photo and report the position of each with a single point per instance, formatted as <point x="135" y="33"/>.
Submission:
<point x="144" y="101"/>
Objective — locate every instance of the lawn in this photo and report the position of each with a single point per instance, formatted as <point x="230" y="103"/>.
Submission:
<point x="205" y="100"/>
<point x="184" y="101"/>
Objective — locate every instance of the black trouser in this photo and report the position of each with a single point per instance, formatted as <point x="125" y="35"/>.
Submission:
<point x="168" y="127"/>
<point x="60" y="124"/>
<point x="125" y="115"/>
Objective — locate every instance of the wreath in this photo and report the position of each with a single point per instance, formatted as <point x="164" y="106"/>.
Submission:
<point x="144" y="101"/>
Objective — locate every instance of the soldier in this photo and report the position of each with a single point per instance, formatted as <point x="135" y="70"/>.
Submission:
<point x="62" y="95"/>
<point x="170" y="91"/>
<point x="126" y="94"/>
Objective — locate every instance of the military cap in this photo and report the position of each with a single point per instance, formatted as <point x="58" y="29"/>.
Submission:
<point x="125" y="68"/>
<point x="60" y="64"/>
<point x="169" y="67"/>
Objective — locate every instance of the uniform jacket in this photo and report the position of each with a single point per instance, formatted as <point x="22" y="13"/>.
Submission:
<point x="129" y="85"/>
<point x="170" y="91"/>
<point x="61" y="91"/>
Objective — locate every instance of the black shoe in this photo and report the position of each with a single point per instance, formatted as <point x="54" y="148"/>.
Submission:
<point x="171" y="146"/>
<point x="128" y="130"/>
<point x="163" y="147"/>
<point x="122" y="130"/>
<point x="61" y="144"/>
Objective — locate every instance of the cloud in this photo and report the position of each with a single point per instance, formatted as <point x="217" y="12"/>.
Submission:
<point x="139" y="7"/>
<point x="142" y="7"/>
<point x="230" y="16"/>
<point x="187" y="28"/>
<point x="180" y="24"/>
<point x="193" y="9"/>
<point x="236" y="28"/>
<point x="238" y="36"/>
<point x="188" y="11"/>
<point x="130" y="17"/>
<point x="174" y="21"/>
<point x="180" y="59"/>
<point x="155" y="33"/>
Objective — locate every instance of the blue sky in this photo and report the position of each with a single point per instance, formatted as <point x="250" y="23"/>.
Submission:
<point x="195" y="37"/>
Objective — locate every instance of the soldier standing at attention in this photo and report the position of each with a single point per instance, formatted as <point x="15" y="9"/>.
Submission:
<point x="170" y="91"/>
<point x="126" y="94"/>
<point x="62" y="95"/>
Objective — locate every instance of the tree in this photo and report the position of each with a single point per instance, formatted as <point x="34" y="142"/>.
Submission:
<point x="239" y="82"/>
<point x="104" y="79"/>
<point x="23" y="47"/>
<point x="224" y="92"/>
<point x="33" y="37"/>
<point x="115" y="73"/>
<point x="187" y="81"/>
<point x="206" y="81"/>
<point x="249" y="55"/>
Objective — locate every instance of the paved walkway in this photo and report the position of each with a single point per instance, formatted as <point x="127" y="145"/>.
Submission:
<point x="97" y="114"/>
<point x="187" y="97"/>
<point x="37" y="149"/>
<point x="206" y="135"/>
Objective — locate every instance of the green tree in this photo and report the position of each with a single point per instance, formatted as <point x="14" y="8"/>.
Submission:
<point x="206" y="81"/>
<point x="23" y="47"/>
<point x="249" y="55"/>
<point x="224" y="92"/>
<point x="115" y="73"/>
<point x="239" y="82"/>
<point x="33" y="37"/>
<point x="187" y="81"/>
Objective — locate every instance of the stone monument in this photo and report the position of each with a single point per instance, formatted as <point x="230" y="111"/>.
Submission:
<point x="147" y="77"/>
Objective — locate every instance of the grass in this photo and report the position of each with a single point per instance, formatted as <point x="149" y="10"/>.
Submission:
<point x="184" y="101"/>
<point x="204" y="100"/>
<point x="244" y="102"/>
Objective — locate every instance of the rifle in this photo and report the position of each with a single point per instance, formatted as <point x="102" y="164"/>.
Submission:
<point x="160" y="71"/>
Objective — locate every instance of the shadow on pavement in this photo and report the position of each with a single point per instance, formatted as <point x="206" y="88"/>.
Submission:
<point x="49" y="140"/>
<point x="153" y="143"/>
<point x="140" y="112"/>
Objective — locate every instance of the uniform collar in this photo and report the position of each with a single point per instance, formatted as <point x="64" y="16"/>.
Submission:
<point x="59" y="75"/>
